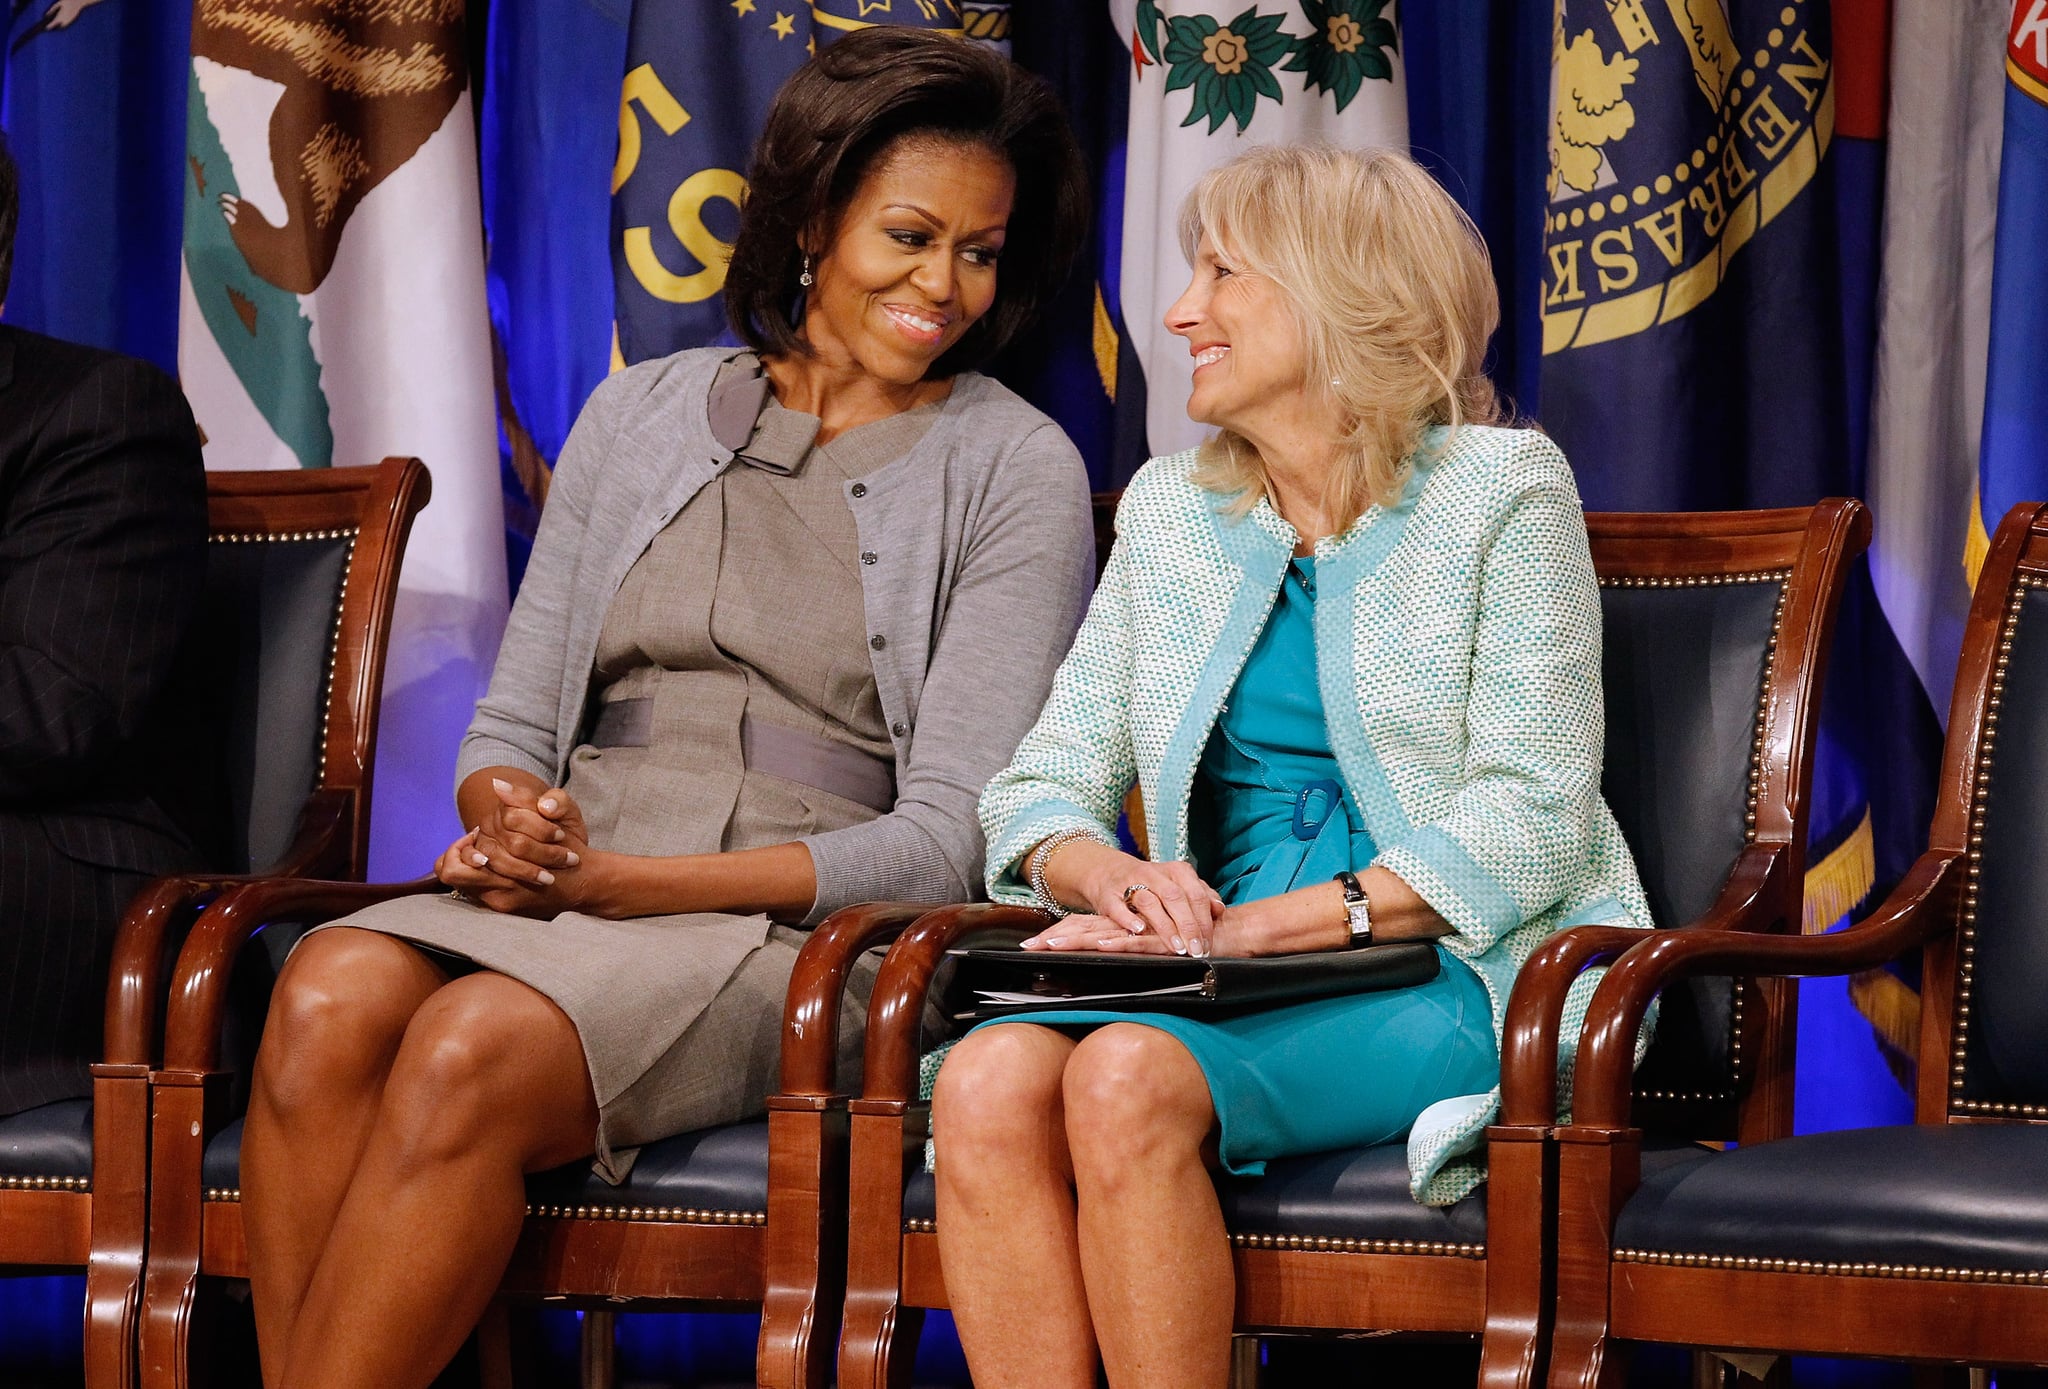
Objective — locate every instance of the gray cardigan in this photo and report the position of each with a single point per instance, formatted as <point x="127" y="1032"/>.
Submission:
<point x="985" y="558"/>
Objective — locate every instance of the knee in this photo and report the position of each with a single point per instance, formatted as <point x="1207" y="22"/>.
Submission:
<point x="1133" y="1097"/>
<point x="996" y="1097"/>
<point x="466" y="1077"/>
<point x="335" y="1018"/>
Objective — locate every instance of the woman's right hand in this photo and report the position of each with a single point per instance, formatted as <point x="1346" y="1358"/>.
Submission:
<point x="1168" y="899"/>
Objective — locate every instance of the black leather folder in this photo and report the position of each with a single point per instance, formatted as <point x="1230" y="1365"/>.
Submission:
<point x="999" y="983"/>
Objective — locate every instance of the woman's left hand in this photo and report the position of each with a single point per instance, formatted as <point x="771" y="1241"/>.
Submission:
<point x="1087" y="931"/>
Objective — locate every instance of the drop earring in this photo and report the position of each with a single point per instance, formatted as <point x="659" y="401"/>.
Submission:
<point x="807" y="279"/>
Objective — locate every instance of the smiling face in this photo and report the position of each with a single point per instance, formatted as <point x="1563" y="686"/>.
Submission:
<point x="913" y="262"/>
<point x="1251" y="367"/>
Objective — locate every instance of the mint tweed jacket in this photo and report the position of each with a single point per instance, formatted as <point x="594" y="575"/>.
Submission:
<point x="1458" y="652"/>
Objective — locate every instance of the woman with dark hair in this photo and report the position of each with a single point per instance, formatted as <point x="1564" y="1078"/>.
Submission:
<point x="746" y="682"/>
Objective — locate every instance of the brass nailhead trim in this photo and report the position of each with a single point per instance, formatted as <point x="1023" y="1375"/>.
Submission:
<point x="348" y="533"/>
<point x="45" y="1184"/>
<point x="660" y="1215"/>
<point x="1780" y="577"/>
<point x="1320" y="1244"/>
<point x="1966" y="927"/>
<point x="1918" y="1272"/>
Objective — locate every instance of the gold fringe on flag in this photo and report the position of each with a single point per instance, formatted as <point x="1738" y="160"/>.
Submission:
<point x="1841" y="880"/>
<point x="1976" y="544"/>
<point x="1105" y="346"/>
<point x="1893" y="1009"/>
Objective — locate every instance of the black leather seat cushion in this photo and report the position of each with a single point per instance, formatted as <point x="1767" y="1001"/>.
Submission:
<point x="1969" y="1196"/>
<point x="724" y="1169"/>
<point x="1354" y="1194"/>
<point x="51" y="1140"/>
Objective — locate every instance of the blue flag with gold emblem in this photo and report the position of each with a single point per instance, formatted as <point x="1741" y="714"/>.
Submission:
<point x="1693" y="341"/>
<point x="700" y="75"/>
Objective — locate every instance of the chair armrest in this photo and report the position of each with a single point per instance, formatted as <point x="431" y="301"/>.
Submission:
<point x="162" y="910"/>
<point x="199" y="988"/>
<point x="1920" y="907"/>
<point x="896" y="1014"/>
<point x="810" y="1013"/>
<point x="1529" y="1041"/>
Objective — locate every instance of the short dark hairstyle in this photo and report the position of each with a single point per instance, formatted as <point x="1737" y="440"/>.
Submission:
<point x="10" y="212"/>
<point x="849" y="104"/>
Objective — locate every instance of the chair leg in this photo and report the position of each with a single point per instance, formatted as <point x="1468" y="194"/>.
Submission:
<point x="1244" y="1362"/>
<point x="878" y="1343"/>
<point x="1949" y="1377"/>
<point x="1590" y="1169"/>
<point x="494" y="1348"/>
<point x="120" y="1224"/>
<point x="806" y="1258"/>
<point x="599" y="1351"/>
<point x="170" y="1279"/>
<point x="1520" y="1193"/>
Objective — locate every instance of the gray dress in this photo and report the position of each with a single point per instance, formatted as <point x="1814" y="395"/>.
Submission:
<point x="744" y="613"/>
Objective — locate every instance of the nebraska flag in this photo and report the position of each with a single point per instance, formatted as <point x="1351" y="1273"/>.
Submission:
<point x="333" y="313"/>
<point x="1210" y="78"/>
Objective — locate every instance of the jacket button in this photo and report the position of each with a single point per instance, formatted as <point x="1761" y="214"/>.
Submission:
<point x="867" y="556"/>
<point x="878" y="641"/>
<point x="860" y="489"/>
<point x="900" y="729"/>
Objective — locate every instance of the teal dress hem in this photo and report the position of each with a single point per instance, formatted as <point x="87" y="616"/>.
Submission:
<point x="1332" y="1073"/>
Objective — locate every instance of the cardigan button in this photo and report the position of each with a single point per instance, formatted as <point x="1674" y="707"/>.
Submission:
<point x="868" y="557"/>
<point x="900" y="729"/>
<point x="860" y="489"/>
<point x="878" y="641"/>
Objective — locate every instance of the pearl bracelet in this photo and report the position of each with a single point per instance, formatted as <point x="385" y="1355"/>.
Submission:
<point x="1042" y="855"/>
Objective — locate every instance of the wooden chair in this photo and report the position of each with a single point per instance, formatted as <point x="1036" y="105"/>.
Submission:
<point x="300" y="579"/>
<point x="1717" y="629"/>
<point x="749" y="1215"/>
<point x="1926" y="1242"/>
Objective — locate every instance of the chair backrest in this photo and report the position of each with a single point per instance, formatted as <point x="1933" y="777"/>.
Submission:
<point x="1716" y="628"/>
<point x="1984" y="1034"/>
<point x="302" y="573"/>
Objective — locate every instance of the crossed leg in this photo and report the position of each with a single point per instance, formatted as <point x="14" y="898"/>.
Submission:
<point x="381" y="1279"/>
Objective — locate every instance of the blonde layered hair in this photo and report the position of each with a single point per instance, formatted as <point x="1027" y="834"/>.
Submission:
<point x="1388" y="283"/>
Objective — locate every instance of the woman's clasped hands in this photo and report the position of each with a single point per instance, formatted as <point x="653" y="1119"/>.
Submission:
<point x="525" y="854"/>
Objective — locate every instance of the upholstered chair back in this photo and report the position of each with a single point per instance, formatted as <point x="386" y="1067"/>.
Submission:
<point x="1998" y="1038"/>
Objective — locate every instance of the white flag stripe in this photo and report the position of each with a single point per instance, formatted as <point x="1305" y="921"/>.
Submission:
<point x="1164" y="159"/>
<point x="1934" y="320"/>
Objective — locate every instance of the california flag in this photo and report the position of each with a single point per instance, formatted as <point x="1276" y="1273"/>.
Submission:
<point x="1211" y="78"/>
<point x="333" y="314"/>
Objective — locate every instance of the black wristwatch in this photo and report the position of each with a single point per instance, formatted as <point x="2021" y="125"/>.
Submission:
<point x="1357" y="910"/>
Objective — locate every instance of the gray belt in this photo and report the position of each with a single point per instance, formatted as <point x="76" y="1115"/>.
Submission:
<point x="771" y="749"/>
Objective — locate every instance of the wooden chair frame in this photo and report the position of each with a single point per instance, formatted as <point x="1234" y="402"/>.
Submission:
<point x="1928" y="1315"/>
<point x="786" y="1260"/>
<point x="1502" y="1291"/>
<point x="102" y="1225"/>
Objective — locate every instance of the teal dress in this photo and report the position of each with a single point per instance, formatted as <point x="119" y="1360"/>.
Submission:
<point x="1275" y="815"/>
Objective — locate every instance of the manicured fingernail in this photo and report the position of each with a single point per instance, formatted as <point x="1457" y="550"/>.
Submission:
<point x="1201" y="949"/>
<point x="1179" y="946"/>
<point x="1137" y="930"/>
<point x="480" y="860"/>
<point x="546" y="878"/>
<point x="1056" y="942"/>
<point x="574" y="859"/>
<point x="560" y="834"/>
<point x="548" y="806"/>
<point x="500" y="785"/>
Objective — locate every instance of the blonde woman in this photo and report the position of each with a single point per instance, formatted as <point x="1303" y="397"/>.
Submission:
<point x="1350" y="651"/>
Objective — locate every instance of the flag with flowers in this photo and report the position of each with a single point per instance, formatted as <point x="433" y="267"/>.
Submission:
<point x="1208" y="80"/>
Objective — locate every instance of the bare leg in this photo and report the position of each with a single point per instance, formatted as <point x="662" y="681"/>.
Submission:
<point x="1154" y="1253"/>
<point x="1006" y="1210"/>
<point x="489" y="1084"/>
<point x="336" y="1019"/>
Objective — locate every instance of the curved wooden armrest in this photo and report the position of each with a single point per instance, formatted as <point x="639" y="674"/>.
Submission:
<point x="135" y="986"/>
<point x="1528" y="1055"/>
<point x="1920" y="908"/>
<point x="198" y="998"/>
<point x="896" y="1014"/>
<point x="810" y="1013"/>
